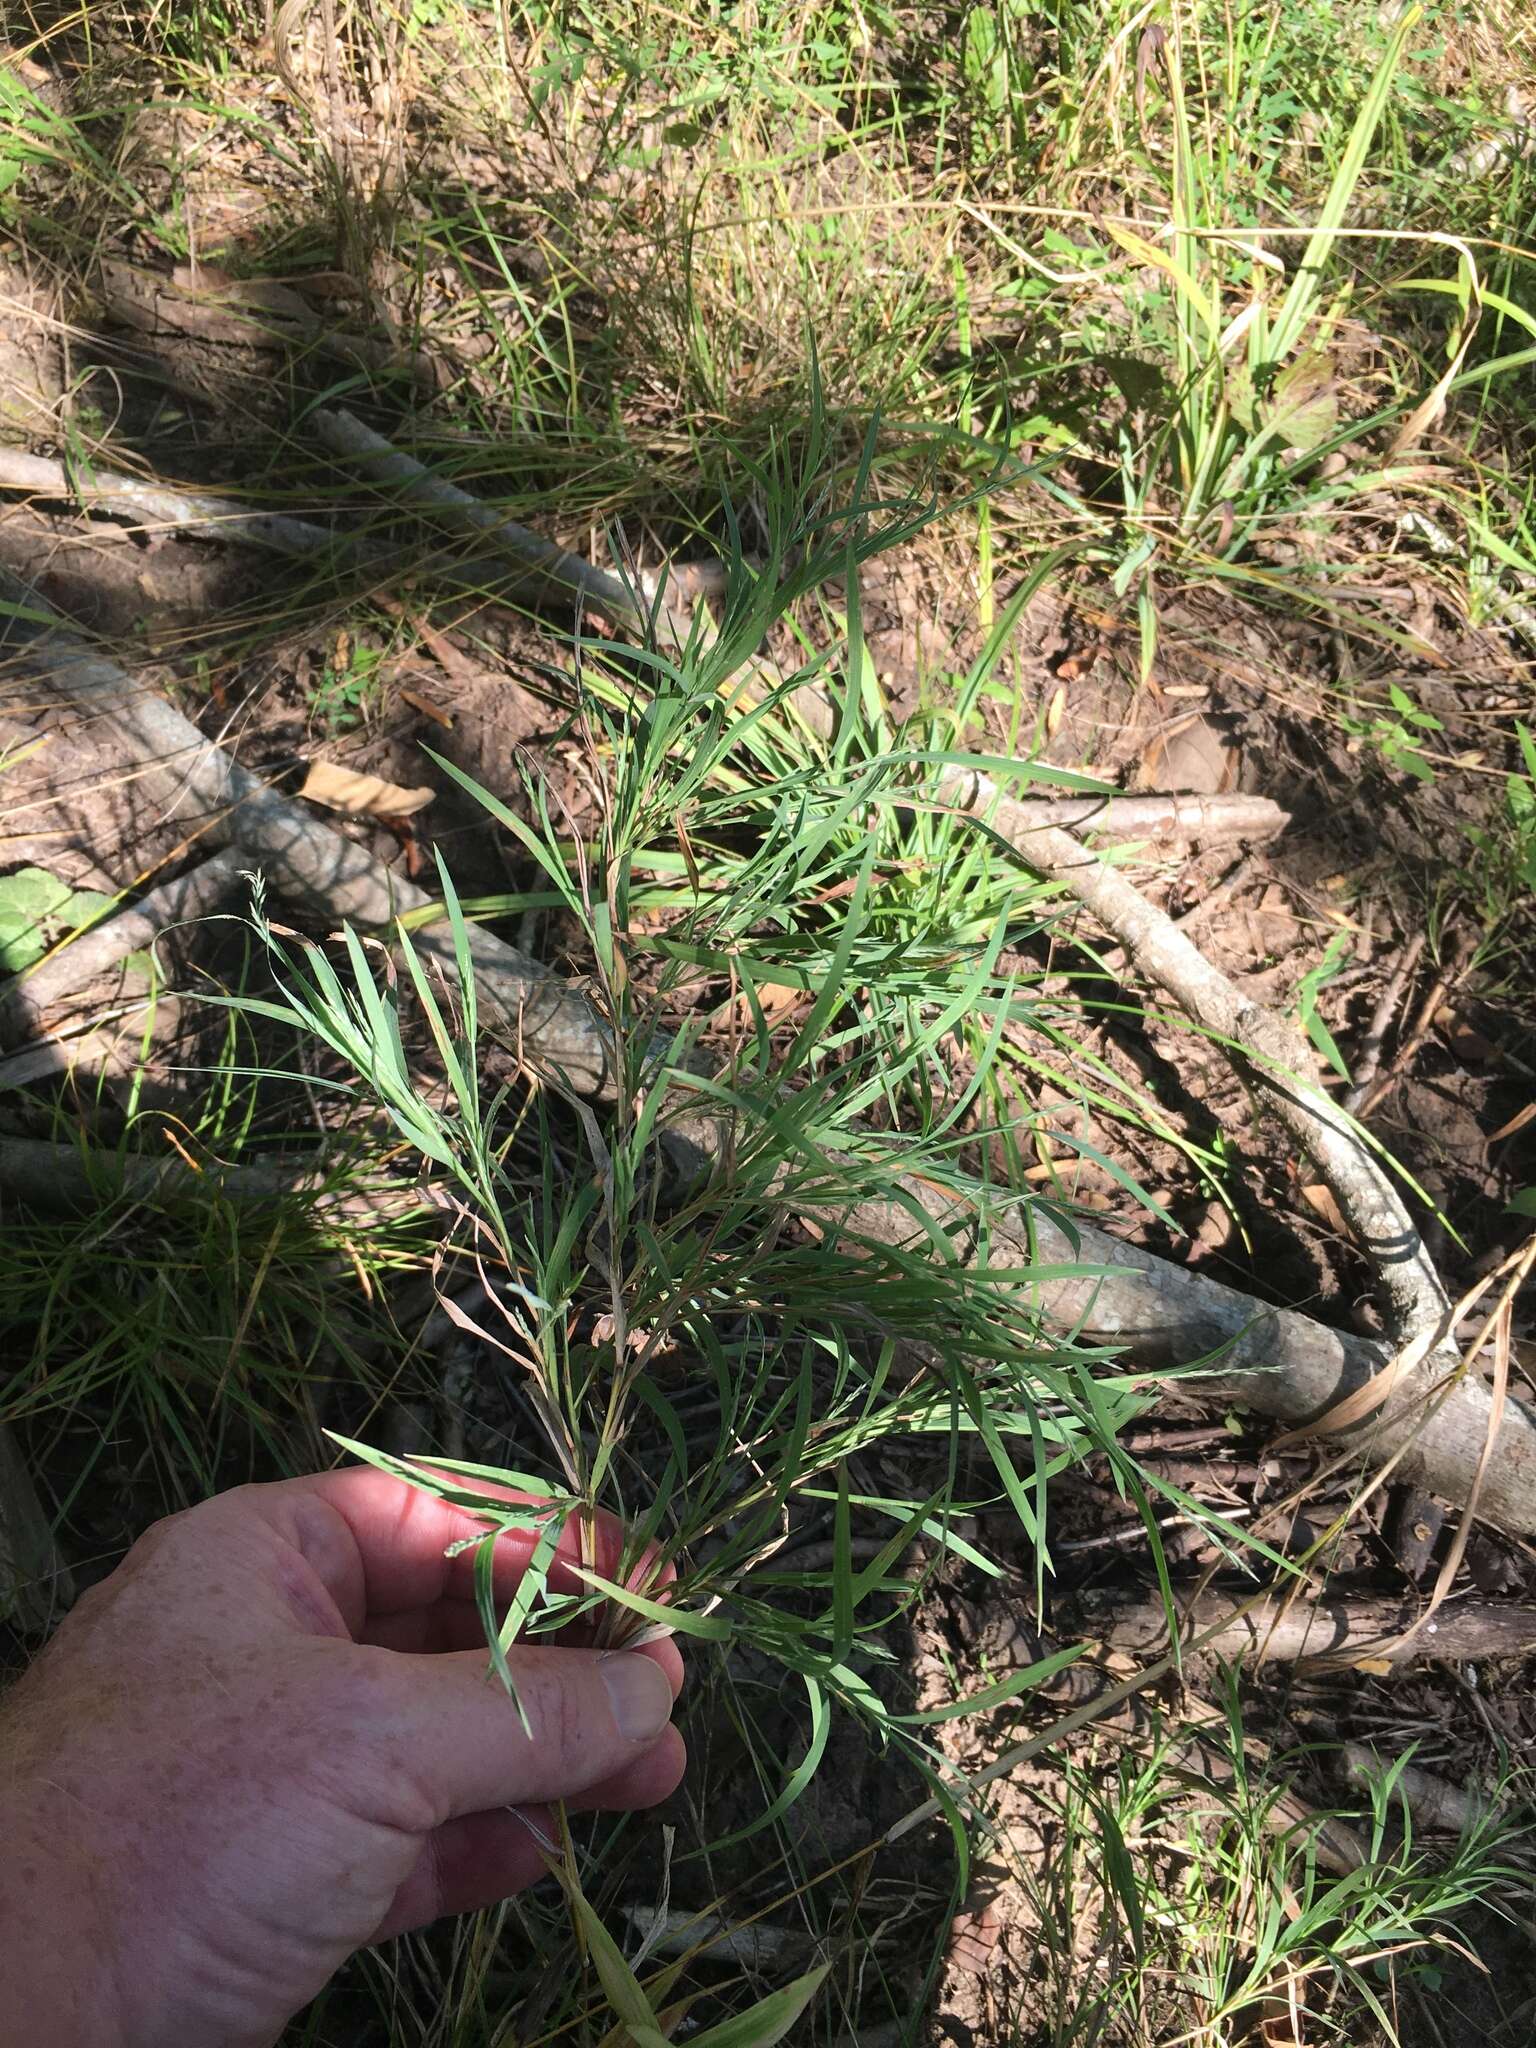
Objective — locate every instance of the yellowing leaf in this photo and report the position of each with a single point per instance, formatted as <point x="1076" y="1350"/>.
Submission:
<point x="767" y="2022"/>
<point x="344" y="789"/>
<point x="621" y="1986"/>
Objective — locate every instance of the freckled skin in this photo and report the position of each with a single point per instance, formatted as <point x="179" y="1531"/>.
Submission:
<point x="268" y="1739"/>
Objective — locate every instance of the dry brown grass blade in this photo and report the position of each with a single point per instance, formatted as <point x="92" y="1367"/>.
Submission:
<point x="1499" y="1326"/>
<point x="1356" y="1407"/>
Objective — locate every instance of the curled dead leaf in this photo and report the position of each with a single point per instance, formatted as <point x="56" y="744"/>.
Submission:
<point x="361" y="796"/>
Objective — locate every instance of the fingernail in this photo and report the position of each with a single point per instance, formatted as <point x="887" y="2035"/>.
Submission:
<point x="639" y="1692"/>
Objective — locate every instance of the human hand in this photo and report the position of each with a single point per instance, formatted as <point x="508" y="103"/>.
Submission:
<point x="269" y="1739"/>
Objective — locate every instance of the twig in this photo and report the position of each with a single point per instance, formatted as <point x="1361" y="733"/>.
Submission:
<point x="1413" y="1044"/>
<point x="1235" y="878"/>
<point x="540" y="559"/>
<point x="1368" y="1060"/>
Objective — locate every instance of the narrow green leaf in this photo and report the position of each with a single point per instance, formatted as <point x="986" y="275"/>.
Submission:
<point x="997" y="1695"/>
<point x="622" y="1988"/>
<point x="768" y="2021"/>
<point x="712" y="1628"/>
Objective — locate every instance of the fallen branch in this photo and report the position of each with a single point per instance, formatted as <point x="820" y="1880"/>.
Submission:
<point x="156" y="508"/>
<point x="1275" y="1361"/>
<point x="1342" y="1631"/>
<point x="1432" y="1802"/>
<point x="412" y="483"/>
<point x="92" y="1050"/>
<point x="71" y="1179"/>
<point x="80" y="960"/>
<point x="1281" y="1063"/>
<point x="1158" y="815"/>
<point x="305" y="860"/>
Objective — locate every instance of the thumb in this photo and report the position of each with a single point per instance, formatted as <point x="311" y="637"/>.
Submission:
<point x="455" y="1736"/>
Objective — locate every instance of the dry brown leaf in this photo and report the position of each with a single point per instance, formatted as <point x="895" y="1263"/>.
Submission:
<point x="1517" y="1122"/>
<point x="427" y="706"/>
<point x="775" y="1000"/>
<point x="1054" y="711"/>
<point x="362" y="796"/>
<point x="1320" y="1200"/>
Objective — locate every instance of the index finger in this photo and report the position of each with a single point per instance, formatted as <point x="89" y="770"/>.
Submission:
<point x="380" y="1546"/>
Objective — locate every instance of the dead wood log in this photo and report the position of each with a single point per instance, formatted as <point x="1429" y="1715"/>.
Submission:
<point x="254" y="312"/>
<point x="103" y="1054"/>
<point x="158" y="509"/>
<point x="72" y="1179"/>
<point x="1167" y="1319"/>
<point x="194" y="894"/>
<point x="1344" y="1631"/>
<point x="1433" y="1802"/>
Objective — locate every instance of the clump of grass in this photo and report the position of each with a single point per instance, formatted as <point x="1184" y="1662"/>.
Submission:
<point x="1187" y="1897"/>
<point x="185" y="1340"/>
<point x="1210" y="264"/>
